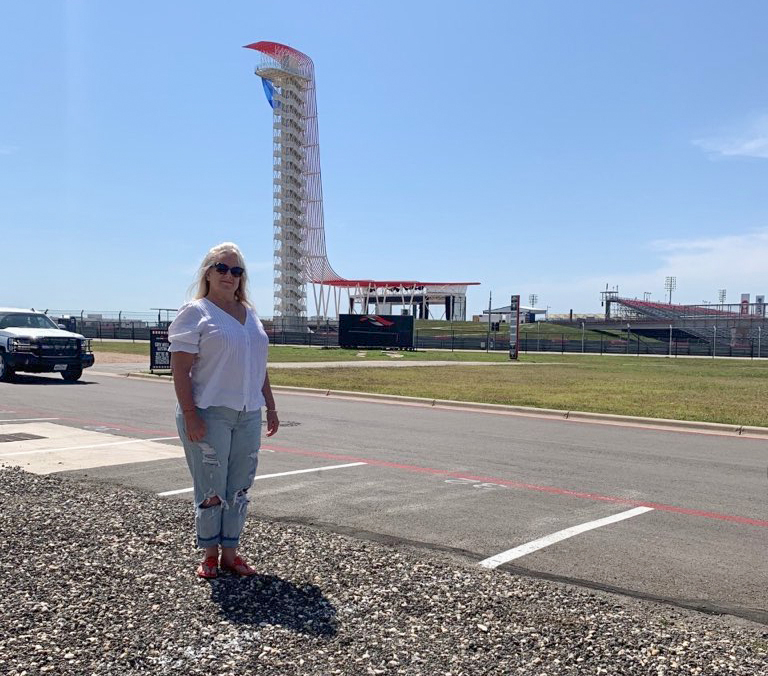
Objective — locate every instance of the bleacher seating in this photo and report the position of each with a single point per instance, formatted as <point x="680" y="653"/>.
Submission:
<point x="700" y="320"/>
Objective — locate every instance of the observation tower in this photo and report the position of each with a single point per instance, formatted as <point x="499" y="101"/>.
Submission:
<point x="300" y="255"/>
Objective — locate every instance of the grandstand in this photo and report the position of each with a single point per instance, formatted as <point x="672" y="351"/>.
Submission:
<point x="722" y="325"/>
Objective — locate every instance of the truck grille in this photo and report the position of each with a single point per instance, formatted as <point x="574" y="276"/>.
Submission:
<point x="58" y="347"/>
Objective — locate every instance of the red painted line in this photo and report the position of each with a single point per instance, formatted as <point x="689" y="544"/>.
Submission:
<point x="101" y="423"/>
<point x="745" y="520"/>
<point x="120" y="426"/>
<point x="760" y="523"/>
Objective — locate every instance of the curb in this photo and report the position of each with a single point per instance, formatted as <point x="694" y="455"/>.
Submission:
<point x="558" y="414"/>
<point x="139" y="376"/>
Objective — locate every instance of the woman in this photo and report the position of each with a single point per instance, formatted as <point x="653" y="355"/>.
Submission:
<point x="219" y="364"/>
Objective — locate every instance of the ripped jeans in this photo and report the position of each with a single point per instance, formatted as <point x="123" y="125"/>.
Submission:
<point x="222" y="465"/>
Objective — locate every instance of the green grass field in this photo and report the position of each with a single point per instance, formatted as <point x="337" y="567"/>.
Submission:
<point x="712" y="390"/>
<point x="541" y="330"/>
<point x="726" y="391"/>
<point x="282" y="353"/>
<point x="429" y="327"/>
<point x="138" y="348"/>
<point x="286" y="353"/>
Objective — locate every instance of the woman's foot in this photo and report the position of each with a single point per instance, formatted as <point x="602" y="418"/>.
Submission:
<point x="208" y="568"/>
<point x="238" y="566"/>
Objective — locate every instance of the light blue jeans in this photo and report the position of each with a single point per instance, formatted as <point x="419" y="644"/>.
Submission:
<point x="223" y="464"/>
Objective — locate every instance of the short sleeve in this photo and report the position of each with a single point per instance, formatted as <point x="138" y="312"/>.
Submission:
<point x="184" y="331"/>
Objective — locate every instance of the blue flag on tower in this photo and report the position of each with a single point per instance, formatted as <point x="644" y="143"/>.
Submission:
<point x="269" y="90"/>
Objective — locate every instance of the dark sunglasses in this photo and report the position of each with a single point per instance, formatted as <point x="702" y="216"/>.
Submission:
<point x="223" y="269"/>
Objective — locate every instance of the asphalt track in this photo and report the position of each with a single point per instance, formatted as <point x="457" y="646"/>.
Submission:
<point x="675" y="516"/>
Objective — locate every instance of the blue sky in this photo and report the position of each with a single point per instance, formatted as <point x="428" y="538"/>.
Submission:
<point x="536" y="147"/>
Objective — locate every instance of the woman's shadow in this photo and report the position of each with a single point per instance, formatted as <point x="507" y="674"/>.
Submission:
<point x="267" y="599"/>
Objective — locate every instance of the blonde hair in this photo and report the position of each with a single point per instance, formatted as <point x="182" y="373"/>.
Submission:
<point x="201" y="286"/>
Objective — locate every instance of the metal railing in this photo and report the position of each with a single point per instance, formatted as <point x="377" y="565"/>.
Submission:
<point x="112" y="324"/>
<point x="124" y="325"/>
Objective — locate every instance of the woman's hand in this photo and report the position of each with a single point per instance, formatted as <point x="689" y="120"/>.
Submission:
<point x="273" y="422"/>
<point x="194" y="425"/>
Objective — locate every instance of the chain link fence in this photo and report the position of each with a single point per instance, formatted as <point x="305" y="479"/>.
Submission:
<point x="113" y="324"/>
<point x="136" y="326"/>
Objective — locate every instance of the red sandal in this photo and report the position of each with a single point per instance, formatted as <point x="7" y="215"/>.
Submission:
<point x="208" y="569"/>
<point x="239" y="567"/>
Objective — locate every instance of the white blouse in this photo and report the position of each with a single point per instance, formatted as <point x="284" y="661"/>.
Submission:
<point x="231" y="362"/>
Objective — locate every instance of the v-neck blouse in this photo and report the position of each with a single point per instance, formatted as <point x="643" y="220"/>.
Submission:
<point x="231" y="362"/>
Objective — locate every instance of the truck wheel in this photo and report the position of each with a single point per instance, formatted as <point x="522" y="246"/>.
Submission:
<point x="72" y="375"/>
<point x="6" y="372"/>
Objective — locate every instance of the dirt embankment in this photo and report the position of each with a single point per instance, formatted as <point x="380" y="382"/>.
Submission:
<point x="119" y="358"/>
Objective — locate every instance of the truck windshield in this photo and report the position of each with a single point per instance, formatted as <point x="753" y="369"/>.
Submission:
<point x="26" y="321"/>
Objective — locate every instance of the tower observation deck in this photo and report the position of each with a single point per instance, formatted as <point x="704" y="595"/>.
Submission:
<point x="298" y="223"/>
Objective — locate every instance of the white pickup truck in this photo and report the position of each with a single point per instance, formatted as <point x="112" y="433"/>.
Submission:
<point x="30" y="341"/>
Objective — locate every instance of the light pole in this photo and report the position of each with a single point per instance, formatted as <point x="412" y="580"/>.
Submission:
<point x="488" y="336"/>
<point x="670" y="340"/>
<point x="670" y="284"/>
<point x="759" y="336"/>
<point x="714" y="341"/>
<point x="582" y="336"/>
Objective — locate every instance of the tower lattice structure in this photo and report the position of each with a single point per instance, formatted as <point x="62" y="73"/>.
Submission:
<point x="300" y="255"/>
<point x="299" y="233"/>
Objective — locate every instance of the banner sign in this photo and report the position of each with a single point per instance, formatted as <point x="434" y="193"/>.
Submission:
<point x="159" y="357"/>
<point x="376" y="331"/>
<point x="514" y="327"/>
<point x="269" y="90"/>
<point x="745" y="303"/>
<point x="760" y="307"/>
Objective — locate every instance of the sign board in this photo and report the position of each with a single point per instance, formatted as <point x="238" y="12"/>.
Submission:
<point x="514" y="327"/>
<point x="760" y="305"/>
<point x="394" y="331"/>
<point x="159" y="356"/>
<point x="69" y="322"/>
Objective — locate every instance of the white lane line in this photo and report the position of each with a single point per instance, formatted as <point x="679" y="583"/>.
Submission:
<point x="16" y="420"/>
<point x="527" y="548"/>
<point x="177" y="492"/>
<point x="78" y="448"/>
<point x="271" y="476"/>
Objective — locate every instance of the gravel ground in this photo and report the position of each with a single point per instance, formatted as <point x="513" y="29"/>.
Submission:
<point x="98" y="579"/>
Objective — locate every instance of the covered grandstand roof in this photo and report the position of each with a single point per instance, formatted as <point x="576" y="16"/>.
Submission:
<point x="354" y="283"/>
